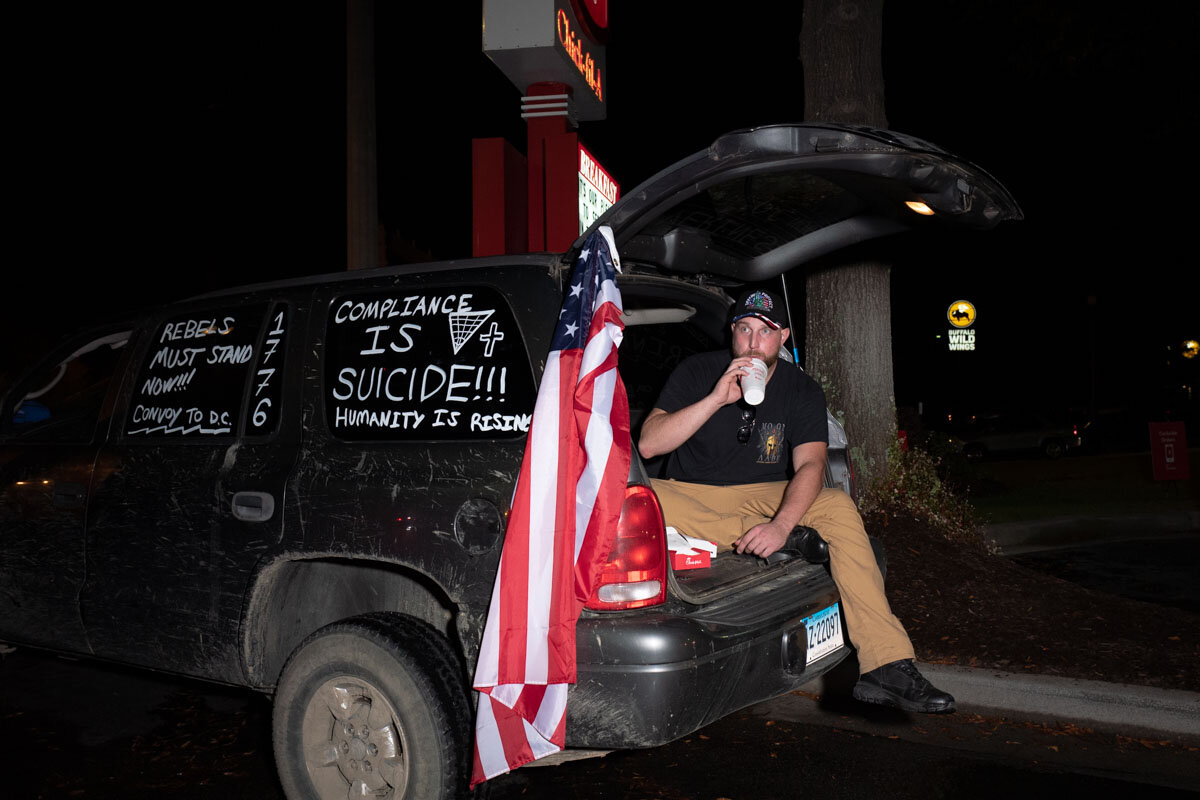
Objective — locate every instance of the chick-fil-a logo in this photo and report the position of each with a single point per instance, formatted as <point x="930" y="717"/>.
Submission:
<point x="573" y="45"/>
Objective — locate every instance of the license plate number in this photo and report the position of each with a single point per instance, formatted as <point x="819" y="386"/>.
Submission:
<point x="824" y="633"/>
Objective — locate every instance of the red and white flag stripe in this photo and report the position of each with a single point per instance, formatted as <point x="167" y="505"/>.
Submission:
<point x="560" y="530"/>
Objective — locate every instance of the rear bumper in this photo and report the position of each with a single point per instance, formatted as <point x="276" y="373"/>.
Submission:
<point x="648" y="678"/>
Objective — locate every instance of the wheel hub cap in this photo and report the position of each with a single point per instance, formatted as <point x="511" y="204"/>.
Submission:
<point x="353" y="745"/>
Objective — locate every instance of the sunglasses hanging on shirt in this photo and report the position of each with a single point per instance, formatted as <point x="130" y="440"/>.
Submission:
<point x="746" y="429"/>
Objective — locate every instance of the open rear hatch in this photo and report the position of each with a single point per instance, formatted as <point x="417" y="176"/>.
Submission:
<point x="753" y="206"/>
<point x="760" y="202"/>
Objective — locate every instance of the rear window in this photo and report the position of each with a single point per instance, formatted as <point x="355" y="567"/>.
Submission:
<point x="438" y="363"/>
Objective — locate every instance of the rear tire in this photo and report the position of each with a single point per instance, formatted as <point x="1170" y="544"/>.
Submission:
<point x="373" y="706"/>
<point x="1054" y="448"/>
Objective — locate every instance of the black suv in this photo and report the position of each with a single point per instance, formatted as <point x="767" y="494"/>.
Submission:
<point x="301" y="487"/>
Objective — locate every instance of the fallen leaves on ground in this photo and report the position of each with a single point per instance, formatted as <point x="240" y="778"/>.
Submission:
<point x="966" y="607"/>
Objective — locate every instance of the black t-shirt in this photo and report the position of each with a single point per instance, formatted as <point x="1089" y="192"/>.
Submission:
<point x="791" y="414"/>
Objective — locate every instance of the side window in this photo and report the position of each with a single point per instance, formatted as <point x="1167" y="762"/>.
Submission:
<point x="193" y="381"/>
<point x="266" y="391"/>
<point x="435" y="364"/>
<point x="61" y="402"/>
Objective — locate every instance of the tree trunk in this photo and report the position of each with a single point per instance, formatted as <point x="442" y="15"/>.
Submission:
<point x="848" y="322"/>
<point x="841" y="47"/>
<point x="362" y="163"/>
<point x="848" y="350"/>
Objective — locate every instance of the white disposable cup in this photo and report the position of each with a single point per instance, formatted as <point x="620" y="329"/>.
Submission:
<point x="754" y="381"/>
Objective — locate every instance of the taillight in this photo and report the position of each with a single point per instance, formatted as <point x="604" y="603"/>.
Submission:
<point x="636" y="572"/>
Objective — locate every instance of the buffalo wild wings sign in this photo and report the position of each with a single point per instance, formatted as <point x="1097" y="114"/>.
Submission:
<point x="961" y="336"/>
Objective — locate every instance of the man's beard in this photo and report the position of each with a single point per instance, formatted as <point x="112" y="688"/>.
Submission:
<point x="769" y="360"/>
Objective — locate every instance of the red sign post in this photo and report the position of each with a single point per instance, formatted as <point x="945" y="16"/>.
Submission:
<point x="1168" y="449"/>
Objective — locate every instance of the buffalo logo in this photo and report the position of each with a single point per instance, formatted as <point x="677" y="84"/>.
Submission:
<point x="961" y="314"/>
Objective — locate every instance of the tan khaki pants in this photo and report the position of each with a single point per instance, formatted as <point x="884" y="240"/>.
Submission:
<point x="723" y="513"/>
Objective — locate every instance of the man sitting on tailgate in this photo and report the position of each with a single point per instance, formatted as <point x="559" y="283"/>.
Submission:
<point x="750" y="477"/>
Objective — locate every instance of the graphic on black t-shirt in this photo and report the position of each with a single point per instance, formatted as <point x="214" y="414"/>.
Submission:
<point x="770" y="442"/>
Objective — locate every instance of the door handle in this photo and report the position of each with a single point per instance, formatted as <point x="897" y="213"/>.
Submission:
<point x="253" y="506"/>
<point x="68" y="495"/>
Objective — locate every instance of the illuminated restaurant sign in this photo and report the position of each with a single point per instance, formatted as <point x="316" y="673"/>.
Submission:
<point x="552" y="41"/>
<point x="961" y="315"/>
<point x="597" y="190"/>
<point x="578" y="50"/>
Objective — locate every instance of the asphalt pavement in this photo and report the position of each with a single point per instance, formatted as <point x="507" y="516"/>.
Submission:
<point x="1071" y="727"/>
<point x="1131" y="709"/>
<point x="91" y="730"/>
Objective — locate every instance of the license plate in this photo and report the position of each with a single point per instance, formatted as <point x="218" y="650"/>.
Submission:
<point x="824" y="633"/>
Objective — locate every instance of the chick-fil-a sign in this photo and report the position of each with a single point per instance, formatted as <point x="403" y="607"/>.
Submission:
<point x="578" y="52"/>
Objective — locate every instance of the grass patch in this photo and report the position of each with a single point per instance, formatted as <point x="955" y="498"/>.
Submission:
<point x="1015" y="490"/>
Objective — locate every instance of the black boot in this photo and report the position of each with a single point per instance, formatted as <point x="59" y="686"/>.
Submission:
<point x="803" y="542"/>
<point x="900" y="685"/>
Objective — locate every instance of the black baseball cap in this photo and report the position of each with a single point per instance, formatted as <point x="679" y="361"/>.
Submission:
<point x="764" y="304"/>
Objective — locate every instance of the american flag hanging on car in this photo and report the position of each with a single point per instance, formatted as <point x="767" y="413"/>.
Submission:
<point x="564" y="517"/>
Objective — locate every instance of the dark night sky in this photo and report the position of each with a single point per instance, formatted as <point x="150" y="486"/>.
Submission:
<point x="176" y="149"/>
